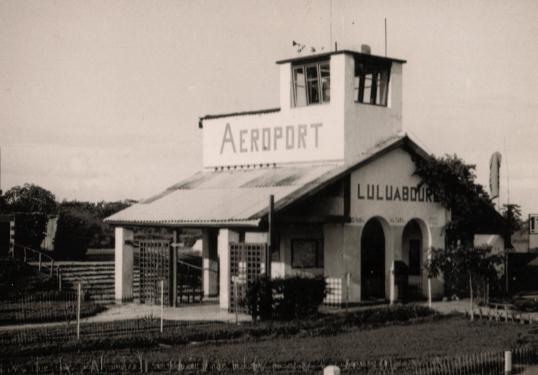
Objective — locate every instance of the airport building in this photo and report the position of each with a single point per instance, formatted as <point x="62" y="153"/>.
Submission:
<point x="322" y="185"/>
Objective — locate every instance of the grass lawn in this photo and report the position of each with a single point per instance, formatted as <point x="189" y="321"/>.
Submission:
<point x="419" y="340"/>
<point x="451" y="336"/>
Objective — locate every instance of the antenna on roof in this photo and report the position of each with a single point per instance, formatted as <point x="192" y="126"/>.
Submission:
<point x="385" y="37"/>
<point x="330" y="22"/>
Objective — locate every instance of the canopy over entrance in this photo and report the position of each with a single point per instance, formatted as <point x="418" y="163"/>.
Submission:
<point x="235" y="197"/>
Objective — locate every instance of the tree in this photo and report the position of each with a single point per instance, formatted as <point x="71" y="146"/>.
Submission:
<point x="32" y="205"/>
<point x="30" y="198"/>
<point x="512" y="214"/>
<point x="80" y="226"/>
<point x="76" y="228"/>
<point x="460" y="260"/>
<point x="453" y="184"/>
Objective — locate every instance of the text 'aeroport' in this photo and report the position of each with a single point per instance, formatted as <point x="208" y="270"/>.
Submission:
<point x="276" y="138"/>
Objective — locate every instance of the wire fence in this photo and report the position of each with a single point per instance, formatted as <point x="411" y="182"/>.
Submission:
<point x="66" y="317"/>
<point x="56" y="317"/>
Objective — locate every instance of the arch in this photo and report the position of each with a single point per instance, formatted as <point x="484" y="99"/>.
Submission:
<point x="416" y="242"/>
<point x="374" y="240"/>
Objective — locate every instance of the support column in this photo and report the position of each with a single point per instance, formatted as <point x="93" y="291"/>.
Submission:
<point x="351" y="259"/>
<point x="210" y="262"/>
<point x="225" y="237"/>
<point x="123" y="264"/>
<point x="393" y="246"/>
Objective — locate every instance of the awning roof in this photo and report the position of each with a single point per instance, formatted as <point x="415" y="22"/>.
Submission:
<point x="240" y="197"/>
<point x="230" y="197"/>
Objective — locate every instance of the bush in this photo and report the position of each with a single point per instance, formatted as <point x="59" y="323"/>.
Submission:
<point x="285" y="299"/>
<point x="526" y="305"/>
<point x="75" y="230"/>
<point x="30" y="228"/>
<point x="18" y="278"/>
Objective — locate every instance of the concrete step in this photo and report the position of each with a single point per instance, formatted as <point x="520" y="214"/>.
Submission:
<point x="88" y="276"/>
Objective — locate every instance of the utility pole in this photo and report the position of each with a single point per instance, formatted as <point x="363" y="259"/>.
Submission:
<point x="270" y="235"/>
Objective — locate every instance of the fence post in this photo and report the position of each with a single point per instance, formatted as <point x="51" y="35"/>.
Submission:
<point x="348" y="285"/>
<point x="79" y="289"/>
<point x="60" y="282"/>
<point x="331" y="370"/>
<point x="507" y="362"/>
<point x="24" y="248"/>
<point x="162" y="304"/>
<point x="234" y="282"/>
<point x="39" y="267"/>
<point x="51" y="268"/>
<point x="429" y="279"/>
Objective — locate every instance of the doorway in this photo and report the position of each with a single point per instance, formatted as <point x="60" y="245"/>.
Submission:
<point x="373" y="261"/>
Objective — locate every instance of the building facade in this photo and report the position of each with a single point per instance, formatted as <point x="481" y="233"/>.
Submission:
<point x="327" y="180"/>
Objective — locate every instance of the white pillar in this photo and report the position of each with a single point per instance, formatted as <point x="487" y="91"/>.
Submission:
<point x="123" y="267"/>
<point x="210" y="263"/>
<point x="331" y="370"/>
<point x="393" y="293"/>
<point x="225" y="237"/>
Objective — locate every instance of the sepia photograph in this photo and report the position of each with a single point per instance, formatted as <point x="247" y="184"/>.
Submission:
<point x="269" y="187"/>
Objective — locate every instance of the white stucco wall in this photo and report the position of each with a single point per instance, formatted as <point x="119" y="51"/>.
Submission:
<point x="343" y="242"/>
<point x="336" y="131"/>
<point x="367" y="125"/>
<point x="225" y="236"/>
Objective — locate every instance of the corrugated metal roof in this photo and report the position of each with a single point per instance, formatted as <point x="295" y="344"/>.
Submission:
<point x="240" y="196"/>
<point x="221" y="197"/>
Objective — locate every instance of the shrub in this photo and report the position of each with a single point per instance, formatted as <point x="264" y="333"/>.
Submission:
<point x="285" y="299"/>
<point x="75" y="230"/>
<point x="526" y="305"/>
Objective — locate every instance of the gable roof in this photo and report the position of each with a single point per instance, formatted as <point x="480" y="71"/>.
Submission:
<point x="240" y="197"/>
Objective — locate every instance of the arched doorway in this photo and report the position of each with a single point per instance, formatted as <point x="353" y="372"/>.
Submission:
<point x="373" y="261"/>
<point x="413" y="255"/>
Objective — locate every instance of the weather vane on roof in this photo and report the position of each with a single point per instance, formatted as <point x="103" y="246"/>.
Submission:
<point x="300" y="47"/>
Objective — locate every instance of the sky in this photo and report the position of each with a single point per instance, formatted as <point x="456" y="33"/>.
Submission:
<point x="100" y="100"/>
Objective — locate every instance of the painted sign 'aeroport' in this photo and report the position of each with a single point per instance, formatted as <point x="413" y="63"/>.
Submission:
<point x="270" y="139"/>
<point x="280" y="137"/>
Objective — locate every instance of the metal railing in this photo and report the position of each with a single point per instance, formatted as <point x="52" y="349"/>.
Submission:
<point x="45" y="263"/>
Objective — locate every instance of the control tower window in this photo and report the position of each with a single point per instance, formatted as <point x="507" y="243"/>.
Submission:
<point x="371" y="81"/>
<point x="311" y="84"/>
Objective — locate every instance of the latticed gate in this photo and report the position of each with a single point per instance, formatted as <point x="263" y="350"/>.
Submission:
<point x="247" y="263"/>
<point x="153" y="265"/>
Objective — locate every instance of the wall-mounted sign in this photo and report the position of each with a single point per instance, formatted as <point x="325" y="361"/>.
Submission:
<point x="381" y="192"/>
<point x="282" y="137"/>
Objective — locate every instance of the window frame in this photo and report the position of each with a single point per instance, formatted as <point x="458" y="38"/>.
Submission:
<point x="318" y="249"/>
<point x="375" y="71"/>
<point x="318" y="80"/>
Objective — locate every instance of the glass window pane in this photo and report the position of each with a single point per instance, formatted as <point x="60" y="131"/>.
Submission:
<point x="312" y="72"/>
<point x="299" y="91"/>
<point x="326" y="89"/>
<point x="325" y="74"/>
<point x="383" y="87"/>
<point x="313" y="91"/>
<point x="367" y="88"/>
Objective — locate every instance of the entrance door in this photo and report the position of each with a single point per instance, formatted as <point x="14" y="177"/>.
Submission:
<point x="153" y="266"/>
<point x="373" y="261"/>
